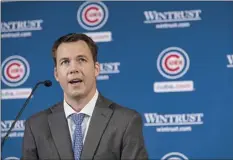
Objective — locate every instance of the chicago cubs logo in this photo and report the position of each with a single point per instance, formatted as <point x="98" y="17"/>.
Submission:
<point x="15" y="71"/>
<point x="92" y="15"/>
<point x="11" y="158"/>
<point x="173" y="63"/>
<point x="174" y="156"/>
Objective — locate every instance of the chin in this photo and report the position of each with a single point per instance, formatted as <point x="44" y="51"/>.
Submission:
<point x="77" y="94"/>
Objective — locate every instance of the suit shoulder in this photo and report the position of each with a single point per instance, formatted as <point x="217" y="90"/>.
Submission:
<point x="123" y="117"/>
<point x="124" y="111"/>
<point x="43" y="114"/>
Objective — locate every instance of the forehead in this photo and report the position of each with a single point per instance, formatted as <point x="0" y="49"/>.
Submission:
<point x="70" y="49"/>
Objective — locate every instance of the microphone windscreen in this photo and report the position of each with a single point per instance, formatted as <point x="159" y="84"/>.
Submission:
<point x="47" y="83"/>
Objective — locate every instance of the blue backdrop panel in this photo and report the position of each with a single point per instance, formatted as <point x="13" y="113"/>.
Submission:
<point x="170" y="61"/>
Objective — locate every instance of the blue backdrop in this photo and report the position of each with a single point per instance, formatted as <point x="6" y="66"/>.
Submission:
<point x="171" y="61"/>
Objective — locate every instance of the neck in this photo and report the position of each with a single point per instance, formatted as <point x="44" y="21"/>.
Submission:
<point x="78" y="103"/>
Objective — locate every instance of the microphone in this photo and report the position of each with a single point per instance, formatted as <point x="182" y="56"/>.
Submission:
<point x="46" y="83"/>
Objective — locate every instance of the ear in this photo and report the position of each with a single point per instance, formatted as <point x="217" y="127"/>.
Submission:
<point x="56" y="74"/>
<point x="97" y="69"/>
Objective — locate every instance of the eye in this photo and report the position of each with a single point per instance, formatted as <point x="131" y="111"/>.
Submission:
<point x="65" y="62"/>
<point x="82" y="60"/>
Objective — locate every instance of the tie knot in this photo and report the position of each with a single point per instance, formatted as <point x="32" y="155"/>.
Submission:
<point x="78" y="118"/>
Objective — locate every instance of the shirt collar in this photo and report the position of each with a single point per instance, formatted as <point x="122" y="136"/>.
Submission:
<point x="87" y="110"/>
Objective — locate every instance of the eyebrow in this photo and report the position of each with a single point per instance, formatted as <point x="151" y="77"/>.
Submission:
<point x="64" y="58"/>
<point x="82" y="56"/>
<point x="79" y="56"/>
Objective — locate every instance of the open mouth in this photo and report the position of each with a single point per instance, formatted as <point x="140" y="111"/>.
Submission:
<point x="75" y="81"/>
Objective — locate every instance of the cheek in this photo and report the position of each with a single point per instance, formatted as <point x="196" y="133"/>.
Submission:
<point x="61" y="75"/>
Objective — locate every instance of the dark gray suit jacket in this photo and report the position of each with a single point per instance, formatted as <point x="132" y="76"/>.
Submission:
<point x="114" y="132"/>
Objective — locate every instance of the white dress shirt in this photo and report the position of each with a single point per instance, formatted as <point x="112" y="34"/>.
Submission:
<point x="87" y="110"/>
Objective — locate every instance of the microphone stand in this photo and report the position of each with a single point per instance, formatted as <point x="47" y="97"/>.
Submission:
<point x="47" y="83"/>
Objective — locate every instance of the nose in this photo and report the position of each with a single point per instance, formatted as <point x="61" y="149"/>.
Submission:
<point x="74" y="68"/>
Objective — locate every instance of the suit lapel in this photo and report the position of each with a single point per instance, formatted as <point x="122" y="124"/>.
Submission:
<point x="100" y="118"/>
<point x="60" y="132"/>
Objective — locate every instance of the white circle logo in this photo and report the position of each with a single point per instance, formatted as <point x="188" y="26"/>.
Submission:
<point x="11" y="158"/>
<point x="173" y="63"/>
<point x="92" y="15"/>
<point x="15" y="71"/>
<point x="174" y="156"/>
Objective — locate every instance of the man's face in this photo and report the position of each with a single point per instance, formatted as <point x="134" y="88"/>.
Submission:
<point x="75" y="69"/>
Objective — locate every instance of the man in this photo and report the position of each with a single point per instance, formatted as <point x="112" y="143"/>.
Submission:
<point x="85" y="125"/>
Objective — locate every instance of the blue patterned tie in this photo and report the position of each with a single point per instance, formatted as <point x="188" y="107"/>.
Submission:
<point x="77" y="136"/>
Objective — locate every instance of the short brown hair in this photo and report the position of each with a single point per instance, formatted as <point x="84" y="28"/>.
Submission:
<point x="74" y="37"/>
